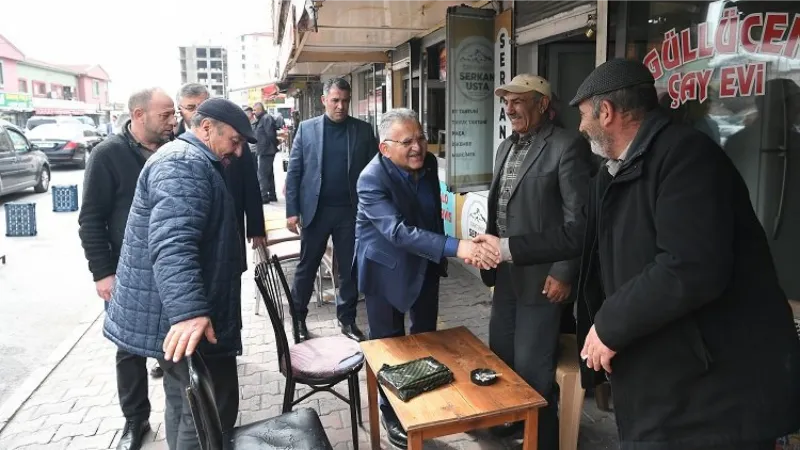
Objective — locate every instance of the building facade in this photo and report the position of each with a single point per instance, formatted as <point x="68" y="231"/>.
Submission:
<point x="730" y="69"/>
<point x="207" y="65"/>
<point x="252" y="61"/>
<point x="29" y="86"/>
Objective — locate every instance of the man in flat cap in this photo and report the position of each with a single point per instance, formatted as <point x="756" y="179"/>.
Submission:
<point x="540" y="182"/>
<point x="178" y="279"/>
<point x="679" y="302"/>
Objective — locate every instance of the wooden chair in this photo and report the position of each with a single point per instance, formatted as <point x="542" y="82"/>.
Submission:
<point x="299" y="429"/>
<point x="570" y="403"/>
<point x="286" y="246"/>
<point x="319" y="363"/>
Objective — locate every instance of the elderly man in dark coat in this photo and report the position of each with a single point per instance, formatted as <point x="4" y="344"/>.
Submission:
<point x="679" y="302"/>
<point x="178" y="279"/>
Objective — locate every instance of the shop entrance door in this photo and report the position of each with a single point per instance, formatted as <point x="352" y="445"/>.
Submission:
<point x="567" y="65"/>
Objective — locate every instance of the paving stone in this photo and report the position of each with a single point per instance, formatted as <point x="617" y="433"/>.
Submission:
<point x="41" y="436"/>
<point x="61" y="407"/>
<point x="88" y="428"/>
<point x="93" y="394"/>
<point x="92" y="442"/>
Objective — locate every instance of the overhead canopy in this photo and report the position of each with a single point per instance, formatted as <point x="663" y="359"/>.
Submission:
<point x="350" y="34"/>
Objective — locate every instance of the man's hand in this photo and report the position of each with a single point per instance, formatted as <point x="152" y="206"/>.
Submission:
<point x="595" y="353"/>
<point x="490" y="244"/>
<point x="291" y="223"/>
<point x="183" y="337"/>
<point x="105" y="287"/>
<point x="556" y="291"/>
<point x="258" y="241"/>
<point x="481" y="255"/>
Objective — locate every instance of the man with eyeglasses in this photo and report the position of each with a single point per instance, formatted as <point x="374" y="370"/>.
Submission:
<point x="401" y="248"/>
<point x="328" y="154"/>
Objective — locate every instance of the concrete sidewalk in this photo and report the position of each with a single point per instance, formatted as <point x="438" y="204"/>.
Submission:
<point x="76" y="405"/>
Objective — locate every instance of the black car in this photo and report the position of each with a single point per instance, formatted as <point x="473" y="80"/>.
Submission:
<point x="22" y="166"/>
<point x="65" y="143"/>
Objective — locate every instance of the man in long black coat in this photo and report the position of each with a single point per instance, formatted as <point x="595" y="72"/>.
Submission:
<point x="678" y="299"/>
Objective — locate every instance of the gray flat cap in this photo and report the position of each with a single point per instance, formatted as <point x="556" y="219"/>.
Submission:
<point x="611" y="76"/>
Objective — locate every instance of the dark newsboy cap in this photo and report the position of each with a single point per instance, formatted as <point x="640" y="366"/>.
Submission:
<point x="612" y="76"/>
<point x="229" y="113"/>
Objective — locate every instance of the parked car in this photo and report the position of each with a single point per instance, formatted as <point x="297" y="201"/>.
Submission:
<point x="66" y="143"/>
<point x="86" y="120"/>
<point x="22" y="166"/>
<point x="35" y="121"/>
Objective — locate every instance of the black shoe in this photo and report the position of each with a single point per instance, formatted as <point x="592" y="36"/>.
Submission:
<point x="133" y="435"/>
<point x="302" y="331"/>
<point x="352" y="332"/>
<point x="507" y="429"/>
<point x="265" y="202"/>
<point x="273" y="199"/>
<point x="156" y="371"/>
<point x="397" y="435"/>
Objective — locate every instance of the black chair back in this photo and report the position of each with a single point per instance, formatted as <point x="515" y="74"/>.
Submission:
<point x="272" y="283"/>
<point x="200" y="393"/>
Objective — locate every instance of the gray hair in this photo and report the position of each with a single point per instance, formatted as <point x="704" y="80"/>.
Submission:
<point x="198" y="118"/>
<point x="141" y="99"/>
<point x="393" y="116"/>
<point x="635" y="101"/>
<point x="192" y="90"/>
<point x="340" y="83"/>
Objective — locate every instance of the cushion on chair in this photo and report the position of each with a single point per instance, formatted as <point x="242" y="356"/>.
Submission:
<point x="325" y="357"/>
<point x="295" y="430"/>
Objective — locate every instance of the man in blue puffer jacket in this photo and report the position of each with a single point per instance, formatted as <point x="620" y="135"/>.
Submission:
<point x="178" y="278"/>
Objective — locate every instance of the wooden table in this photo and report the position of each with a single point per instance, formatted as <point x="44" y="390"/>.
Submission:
<point x="456" y="408"/>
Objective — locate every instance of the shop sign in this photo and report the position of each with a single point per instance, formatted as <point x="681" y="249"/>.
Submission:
<point x="448" y="209"/>
<point x="470" y="94"/>
<point x="502" y="74"/>
<point x="779" y="37"/>
<point x="15" y="100"/>
<point x="474" y="215"/>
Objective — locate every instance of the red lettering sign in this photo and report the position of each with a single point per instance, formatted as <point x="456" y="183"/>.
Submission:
<point x="778" y="36"/>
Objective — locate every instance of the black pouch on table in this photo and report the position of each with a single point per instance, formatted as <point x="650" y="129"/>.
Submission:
<point x="410" y="379"/>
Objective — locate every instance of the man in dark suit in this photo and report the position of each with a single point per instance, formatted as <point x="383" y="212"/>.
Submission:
<point x="328" y="154"/>
<point x="266" y="149"/>
<point x="540" y="183"/>
<point x="401" y="248"/>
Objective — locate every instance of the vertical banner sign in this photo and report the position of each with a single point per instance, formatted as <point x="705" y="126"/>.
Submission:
<point x="470" y="98"/>
<point x="502" y="74"/>
<point x="448" y="210"/>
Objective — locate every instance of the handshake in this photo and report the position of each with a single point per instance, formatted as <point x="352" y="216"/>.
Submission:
<point x="483" y="251"/>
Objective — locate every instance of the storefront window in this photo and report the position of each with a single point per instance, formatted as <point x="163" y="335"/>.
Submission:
<point x="371" y="94"/>
<point x="731" y="70"/>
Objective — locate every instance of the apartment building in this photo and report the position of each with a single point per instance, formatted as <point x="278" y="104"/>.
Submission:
<point x="207" y="65"/>
<point x="29" y="86"/>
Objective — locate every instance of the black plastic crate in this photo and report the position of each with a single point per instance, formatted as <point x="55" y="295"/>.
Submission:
<point x="20" y="219"/>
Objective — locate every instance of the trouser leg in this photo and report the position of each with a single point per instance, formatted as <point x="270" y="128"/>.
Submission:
<point x="270" y="173"/>
<point x="535" y="360"/>
<point x="132" y="386"/>
<point x="180" y="428"/>
<point x="384" y="321"/>
<point x="265" y="175"/>
<point x="313" y="242"/>
<point x="424" y="312"/>
<point x="344" y="239"/>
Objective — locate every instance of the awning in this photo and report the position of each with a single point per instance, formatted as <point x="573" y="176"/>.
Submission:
<point x="63" y="112"/>
<point x="270" y="90"/>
